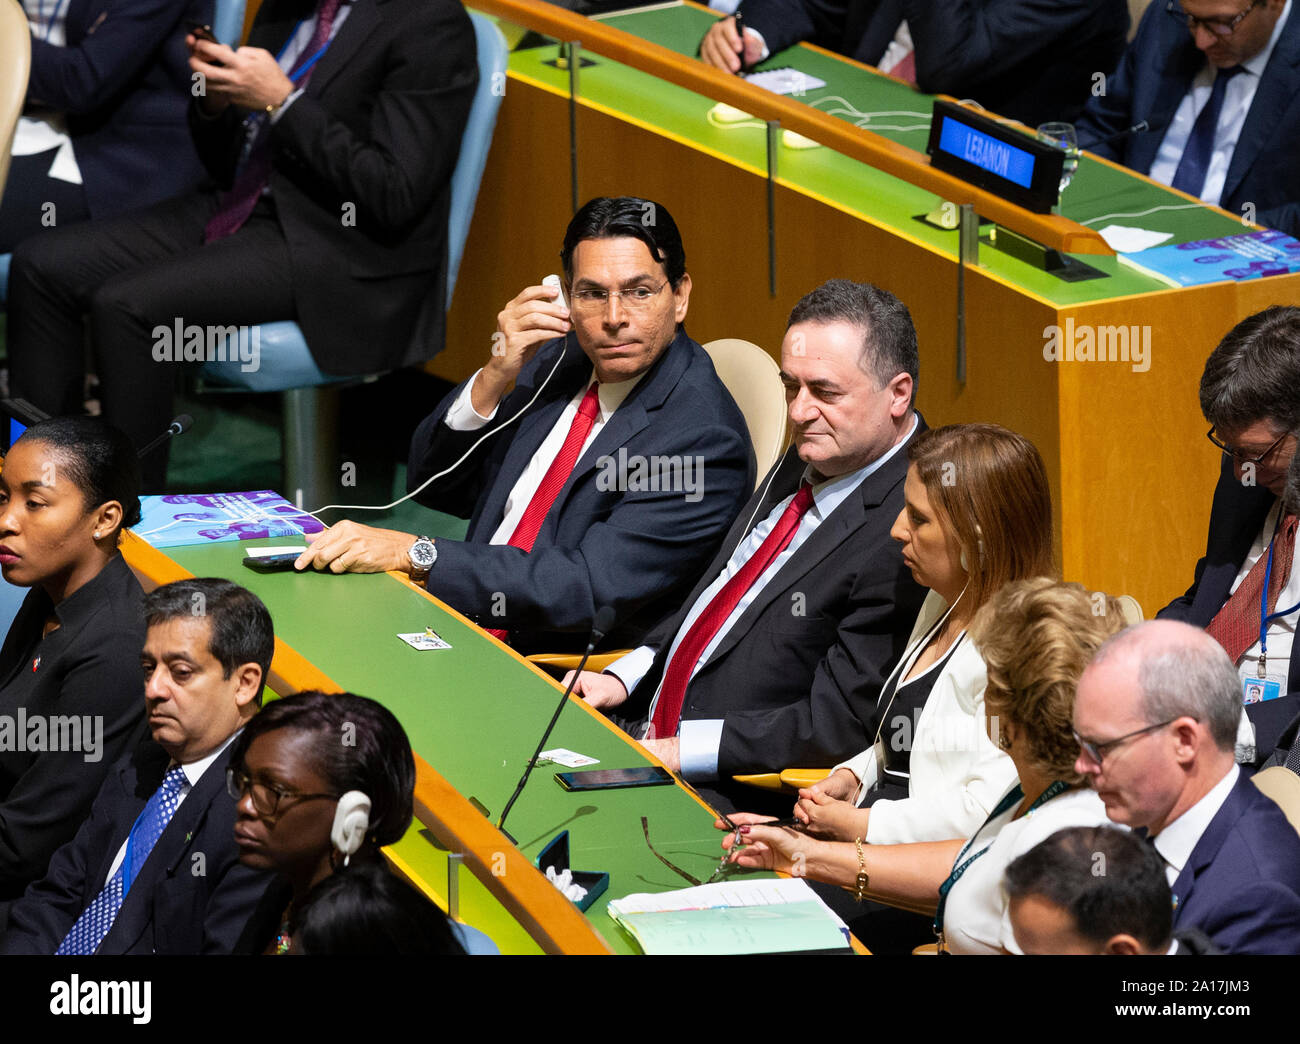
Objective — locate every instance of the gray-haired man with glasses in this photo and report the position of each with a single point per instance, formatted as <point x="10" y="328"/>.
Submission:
<point x="1246" y="590"/>
<point x="155" y="868"/>
<point x="1156" y="718"/>
<point x="1213" y="84"/>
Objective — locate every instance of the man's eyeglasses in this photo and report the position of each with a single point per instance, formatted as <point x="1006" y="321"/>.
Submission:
<point x="1097" y="751"/>
<point x="1218" y="26"/>
<point x="634" y="298"/>
<point x="1238" y="455"/>
<point x="266" y="798"/>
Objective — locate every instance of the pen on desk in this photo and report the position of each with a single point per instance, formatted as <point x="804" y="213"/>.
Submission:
<point x="740" y="32"/>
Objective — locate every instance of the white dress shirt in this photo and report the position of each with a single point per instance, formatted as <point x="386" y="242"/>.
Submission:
<point x="463" y="417"/>
<point x="1237" y="99"/>
<point x="193" y="773"/>
<point x="701" y="739"/>
<point x="1177" y="840"/>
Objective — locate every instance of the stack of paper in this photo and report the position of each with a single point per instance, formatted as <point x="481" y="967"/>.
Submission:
<point x="765" y="916"/>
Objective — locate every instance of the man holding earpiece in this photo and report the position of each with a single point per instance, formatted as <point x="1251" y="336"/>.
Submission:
<point x="155" y="868"/>
<point x="776" y="659"/>
<point x="597" y="453"/>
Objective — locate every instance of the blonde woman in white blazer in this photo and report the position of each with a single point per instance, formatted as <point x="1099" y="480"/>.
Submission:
<point x="977" y="516"/>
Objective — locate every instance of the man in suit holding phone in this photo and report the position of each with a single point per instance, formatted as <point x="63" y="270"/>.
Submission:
<point x="333" y="136"/>
<point x="155" y="868"/>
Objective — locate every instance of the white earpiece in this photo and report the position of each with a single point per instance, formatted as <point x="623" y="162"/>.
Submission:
<point x="351" y="821"/>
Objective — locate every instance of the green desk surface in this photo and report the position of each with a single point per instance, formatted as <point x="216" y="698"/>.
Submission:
<point x="897" y="112"/>
<point x="475" y="715"/>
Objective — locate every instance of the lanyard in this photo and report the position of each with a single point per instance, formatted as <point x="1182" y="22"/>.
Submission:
<point x="1264" y="618"/>
<point x="909" y="658"/>
<point x="302" y="70"/>
<point x="254" y="121"/>
<point x="55" y="16"/>
<point x="1016" y="795"/>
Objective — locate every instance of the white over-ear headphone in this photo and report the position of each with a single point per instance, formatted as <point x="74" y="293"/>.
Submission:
<point x="351" y="821"/>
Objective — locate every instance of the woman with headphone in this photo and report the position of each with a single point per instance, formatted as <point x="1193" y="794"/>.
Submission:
<point x="321" y="780"/>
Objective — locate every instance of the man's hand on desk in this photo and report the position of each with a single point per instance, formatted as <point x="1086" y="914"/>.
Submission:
<point x="600" y="690"/>
<point x="721" y="47"/>
<point x="667" y="751"/>
<point x="524" y="325"/>
<point x="349" y="547"/>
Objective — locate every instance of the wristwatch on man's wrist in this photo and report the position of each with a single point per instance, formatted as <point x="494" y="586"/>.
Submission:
<point x="422" y="555"/>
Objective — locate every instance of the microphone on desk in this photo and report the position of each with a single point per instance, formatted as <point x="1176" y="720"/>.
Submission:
<point x="602" y="623"/>
<point x="176" y="427"/>
<point x="1137" y="128"/>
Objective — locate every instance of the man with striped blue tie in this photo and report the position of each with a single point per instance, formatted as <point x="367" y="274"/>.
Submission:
<point x="155" y="868"/>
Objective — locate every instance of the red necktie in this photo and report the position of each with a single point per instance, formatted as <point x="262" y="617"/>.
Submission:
<point x="1236" y="627"/>
<point x="906" y="68"/>
<point x="668" y="711"/>
<point x="556" y="476"/>
<point x="237" y="204"/>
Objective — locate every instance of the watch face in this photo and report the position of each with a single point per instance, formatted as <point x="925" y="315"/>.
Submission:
<point x="423" y="554"/>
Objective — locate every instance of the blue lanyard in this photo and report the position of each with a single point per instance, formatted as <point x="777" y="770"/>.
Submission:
<point x="302" y="71"/>
<point x="1014" y="797"/>
<point x="1264" y="618"/>
<point x="254" y="120"/>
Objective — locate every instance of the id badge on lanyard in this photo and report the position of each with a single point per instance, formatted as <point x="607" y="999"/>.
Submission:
<point x="1261" y="688"/>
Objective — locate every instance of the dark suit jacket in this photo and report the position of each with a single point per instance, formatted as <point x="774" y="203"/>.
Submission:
<point x="797" y="678"/>
<point x="1155" y="73"/>
<point x="1032" y="60"/>
<point x="1236" y="516"/>
<point x="1241" y="886"/>
<point x="191" y="896"/>
<point x="361" y="175"/>
<point x="123" y="79"/>
<point x="88" y="668"/>
<point x="634" y="550"/>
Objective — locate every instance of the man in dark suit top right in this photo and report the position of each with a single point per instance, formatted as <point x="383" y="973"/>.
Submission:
<point x="1248" y="395"/>
<point x="1156" y="717"/>
<point x="1218" y="84"/>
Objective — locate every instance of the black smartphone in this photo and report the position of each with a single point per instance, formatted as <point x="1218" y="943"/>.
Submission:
<point x="272" y="563"/>
<point x="612" y="779"/>
<point x="202" y="31"/>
